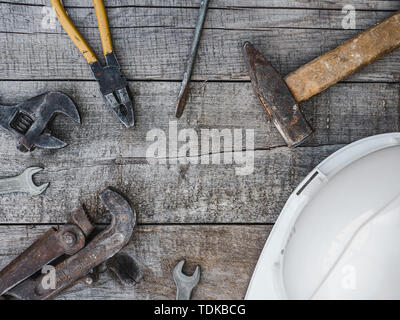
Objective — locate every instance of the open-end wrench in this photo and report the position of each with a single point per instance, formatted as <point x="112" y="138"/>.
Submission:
<point x="185" y="284"/>
<point x="23" y="183"/>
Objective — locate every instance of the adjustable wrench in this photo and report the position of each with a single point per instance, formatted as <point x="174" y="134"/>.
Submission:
<point x="185" y="284"/>
<point x="23" y="183"/>
<point x="28" y="121"/>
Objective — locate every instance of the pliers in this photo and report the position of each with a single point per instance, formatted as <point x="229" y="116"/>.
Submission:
<point x="113" y="84"/>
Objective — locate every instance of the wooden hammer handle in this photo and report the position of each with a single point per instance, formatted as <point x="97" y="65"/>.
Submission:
<point x="330" y="68"/>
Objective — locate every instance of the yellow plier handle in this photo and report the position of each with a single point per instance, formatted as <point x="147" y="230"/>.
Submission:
<point x="104" y="29"/>
<point x="76" y="36"/>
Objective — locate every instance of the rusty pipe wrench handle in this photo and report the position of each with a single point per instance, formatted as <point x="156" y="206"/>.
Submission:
<point x="338" y="64"/>
<point x="50" y="246"/>
<point x="101" y="248"/>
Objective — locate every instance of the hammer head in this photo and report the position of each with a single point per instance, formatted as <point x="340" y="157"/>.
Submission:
<point x="276" y="97"/>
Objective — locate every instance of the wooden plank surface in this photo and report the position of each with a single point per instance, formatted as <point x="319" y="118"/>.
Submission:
<point x="34" y="19"/>
<point x="228" y="4"/>
<point x="206" y="214"/>
<point x="169" y="194"/>
<point x="227" y="255"/>
<point x="335" y="114"/>
<point x="160" y="52"/>
<point x="106" y="153"/>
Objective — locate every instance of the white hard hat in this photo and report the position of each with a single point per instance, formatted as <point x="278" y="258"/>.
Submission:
<point x="338" y="235"/>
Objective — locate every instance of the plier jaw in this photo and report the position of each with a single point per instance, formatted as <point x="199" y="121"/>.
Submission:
<point x="114" y="88"/>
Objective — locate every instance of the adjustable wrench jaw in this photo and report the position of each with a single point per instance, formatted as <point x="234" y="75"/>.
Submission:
<point x="7" y="114"/>
<point x="114" y="88"/>
<point x="29" y="120"/>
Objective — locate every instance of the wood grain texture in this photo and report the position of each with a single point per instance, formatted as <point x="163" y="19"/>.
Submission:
<point x="103" y="153"/>
<point x="335" y="115"/>
<point x="227" y="256"/>
<point x="159" y="53"/>
<point x="349" y="57"/>
<point x="323" y="4"/>
<point x="152" y="40"/>
<point x="167" y="193"/>
<point x="36" y="19"/>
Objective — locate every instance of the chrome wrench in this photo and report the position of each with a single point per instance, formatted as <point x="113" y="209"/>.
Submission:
<point x="185" y="284"/>
<point x="23" y="183"/>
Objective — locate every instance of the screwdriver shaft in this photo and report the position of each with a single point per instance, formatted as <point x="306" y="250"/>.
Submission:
<point x="183" y="92"/>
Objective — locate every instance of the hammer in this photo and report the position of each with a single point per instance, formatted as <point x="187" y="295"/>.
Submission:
<point x="281" y="96"/>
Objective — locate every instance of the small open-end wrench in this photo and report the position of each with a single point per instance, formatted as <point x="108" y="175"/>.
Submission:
<point x="185" y="284"/>
<point x="23" y="183"/>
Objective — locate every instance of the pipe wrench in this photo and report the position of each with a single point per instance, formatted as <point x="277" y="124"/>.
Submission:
<point x="73" y="242"/>
<point x="113" y="84"/>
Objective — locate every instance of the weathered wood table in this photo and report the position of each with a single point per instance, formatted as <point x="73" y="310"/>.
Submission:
<point x="204" y="213"/>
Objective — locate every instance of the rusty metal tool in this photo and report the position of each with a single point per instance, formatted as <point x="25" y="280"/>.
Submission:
<point x="72" y="242"/>
<point x="113" y="84"/>
<point x="29" y="120"/>
<point x="184" y="90"/>
<point x="281" y="96"/>
<point x="185" y="284"/>
<point x="125" y="269"/>
<point x="23" y="183"/>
